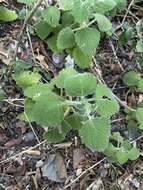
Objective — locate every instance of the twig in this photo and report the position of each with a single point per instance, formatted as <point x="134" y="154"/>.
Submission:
<point x="32" y="128"/>
<point x="36" y="6"/>
<point x="84" y="172"/>
<point x="23" y="152"/>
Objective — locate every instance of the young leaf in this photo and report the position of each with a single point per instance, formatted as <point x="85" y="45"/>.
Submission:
<point x="59" y="80"/>
<point x="95" y="133"/>
<point x="26" y="79"/>
<point x="139" y="115"/>
<point x="102" y="6"/>
<point x="122" y="156"/>
<point x="51" y="15"/>
<point x="65" y="38"/>
<point x="7" y="15"/>
<point x="82" y="60"/>
<point x="43" y="29"/>
<point x="133" y="154"/>
<point x="131" y="78"/>
<point x="67" y="18"/>
<point x="107" y="108"/>
<point x="80" y="84"/>
<point x="87" y="40"/>
<point x="48" y="110"/>
<point x="103" y="22"/>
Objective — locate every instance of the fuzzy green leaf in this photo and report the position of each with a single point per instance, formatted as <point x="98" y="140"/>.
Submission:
<point x="66" y="5"/>
<point x="80" y="84"/>
<point x="95" y="133"/>
<point x="48" y="110"/>
<point x="103" y="22"/>
<point x="82" y="60"/>
<point x="140" y="85"/>
<point x="121" y="4"/>
<point x="81" y="11"/>
<point x="54" y="136"/>
<point x="52" y="43"/>
<point x="73" y="121"/>
<point x="43" y="29"/>
<point x="131" y="78"/>
<point x="1" y="95"/>
<point x="102" y="6"/>
<point x="65" y="38"/>
<point x="51" y="15"/>
<point x="26" y="79"/>
<point x="133" y="154"/>
<point x="59" y="80"/>
<point x="87" y="40"/>
<point x="139" y="114"/>
<point x="7" y="15"/>
<point x="107" y="108"/>
<point x="110" y="151"/>
<point x="27" y="2"/>
<point x="36" y="91"/>
<point x="103" y="91"/>
<point x="122" y="156"/>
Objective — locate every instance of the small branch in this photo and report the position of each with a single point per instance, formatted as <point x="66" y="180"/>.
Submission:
<point x="84" y="172"/>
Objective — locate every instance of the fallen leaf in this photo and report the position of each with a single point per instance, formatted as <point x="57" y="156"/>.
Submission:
<point x="78" y="158"/>
<point x="54" y="168"/>
<point x="13" y="142"/>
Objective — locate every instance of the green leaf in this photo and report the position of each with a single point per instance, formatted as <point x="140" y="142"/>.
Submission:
<point x="27" y="114"/>
<point x="51" y="15"/>
<point x="43" y="29"/>
<point x="103" y="91"/>
<point x="139" y="46"/>
<point x="87" y="40"/>
<point x="80" y="84"/>
<point x="126" y="145"/>
<point x="139" y="115"/>
<point x="102" y="6"/>
<point x="67" y="18"/>
<point x="107" y="108"/>
<point x="7" y="15"/>
<point x="141" y="126"/>
<point x="66" y="5"/>
<point x="26" y="79"/>
<point x="52" y="43"/>
<point x="65" y="38"/>
<point x="82" y="60"/>
<point x="110" y="151"/>
<point x="81" y="11"/>
<point x="95" y="133"/>
<point x="73" y="121"/>
<point x="48" y="110"/>
<point x="117" y="137"/>
<point x="37" y="91"/>
<point x="121" y="4"/>
<point x="1" y="95"/>
<point x="131" y="78"/>
<point x="27" y="2"/>
<point x="59" y="80"/>
<point x="140" y="85"/>
<point x="54" y="136"/>
<point x="133" y="154"/>
<point x="103" y="22"/>
<point x="122" y="156"/>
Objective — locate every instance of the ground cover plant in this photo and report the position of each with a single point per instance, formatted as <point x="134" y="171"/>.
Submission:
<point x="69" y="93"/>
